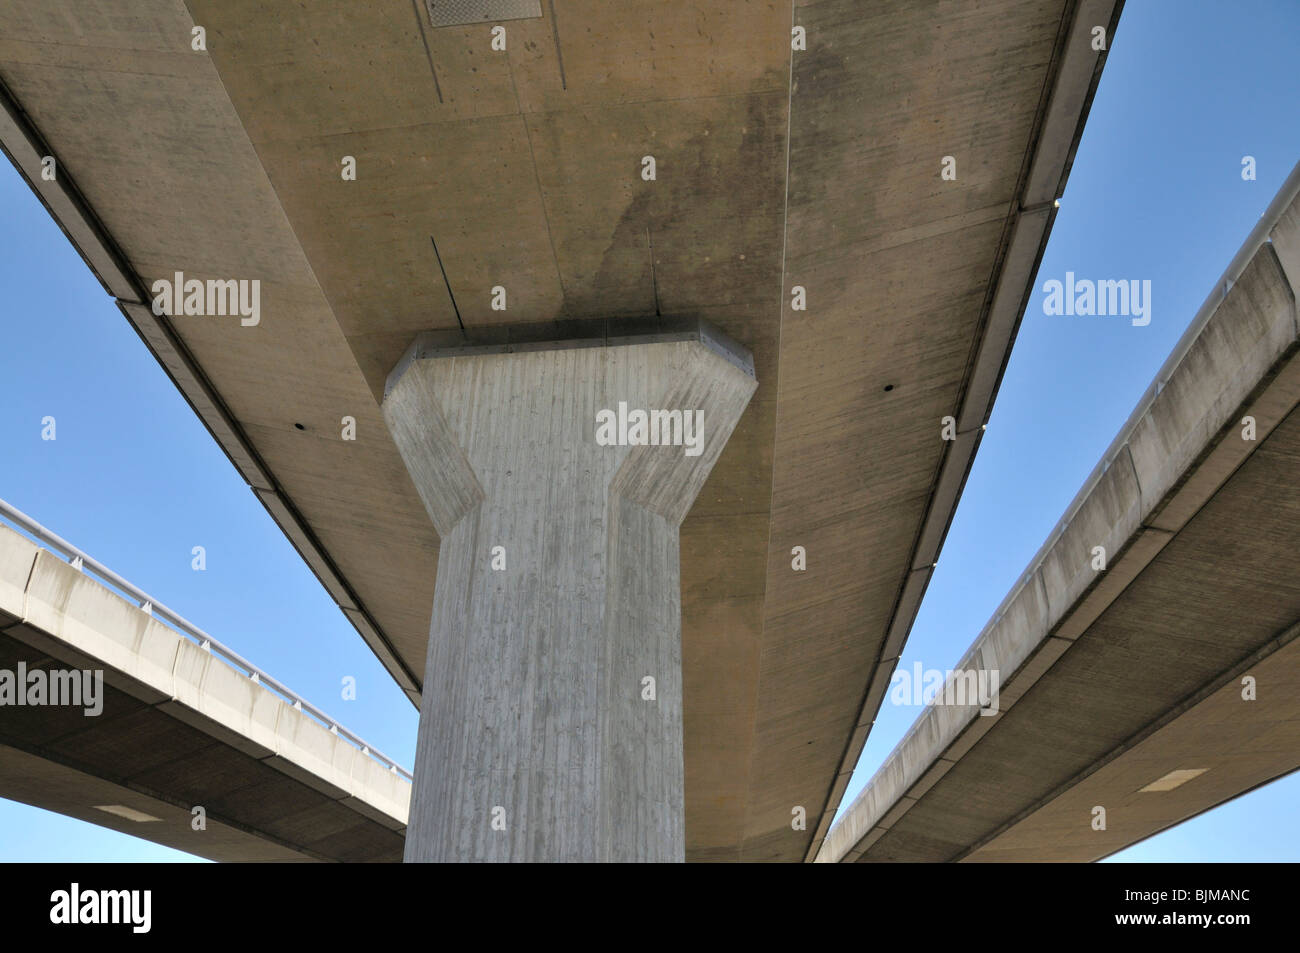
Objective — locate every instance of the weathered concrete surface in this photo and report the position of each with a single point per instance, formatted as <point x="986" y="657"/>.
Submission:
<point x="1112" y="679"/>
<point x="818" y="168"/>
<point x="179" y="729"/>
<point x="1240" y="745"/>
<point x="558" y="594"/>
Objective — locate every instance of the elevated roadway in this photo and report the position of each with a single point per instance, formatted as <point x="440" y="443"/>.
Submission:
<point x="1137" y="695"/>
<point x="783" y="176"/>
<point x="180" y="724"/>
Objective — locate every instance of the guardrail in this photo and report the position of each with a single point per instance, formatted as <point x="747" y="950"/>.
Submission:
<point x="79" y="560"/>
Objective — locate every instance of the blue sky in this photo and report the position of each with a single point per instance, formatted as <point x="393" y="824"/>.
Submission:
<point x="1156" y="193"/>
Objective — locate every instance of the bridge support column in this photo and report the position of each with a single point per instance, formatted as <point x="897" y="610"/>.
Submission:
<point x="557" y="475"/>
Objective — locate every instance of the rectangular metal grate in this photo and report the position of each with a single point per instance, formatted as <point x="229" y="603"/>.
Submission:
<point x="461" y="12"/>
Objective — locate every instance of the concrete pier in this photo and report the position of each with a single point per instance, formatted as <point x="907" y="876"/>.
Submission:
<point x="558" y="595"/>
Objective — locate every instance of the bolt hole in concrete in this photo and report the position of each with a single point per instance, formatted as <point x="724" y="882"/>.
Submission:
<point x="299" y="427"/>
<point x="888" y="388"/>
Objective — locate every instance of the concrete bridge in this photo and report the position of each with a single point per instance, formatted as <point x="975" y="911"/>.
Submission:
<point x="846" y="202"/>
<point x="186" y="744"/>
<point x="1141" y="694"/>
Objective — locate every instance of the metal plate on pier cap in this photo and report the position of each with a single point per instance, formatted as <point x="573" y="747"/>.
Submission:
<point x="461" y="12"/>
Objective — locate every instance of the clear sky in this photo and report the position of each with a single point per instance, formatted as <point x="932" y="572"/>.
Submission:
<point x="1156" y="193"/>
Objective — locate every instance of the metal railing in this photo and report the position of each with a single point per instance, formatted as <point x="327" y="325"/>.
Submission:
<point x="80" y="561"/>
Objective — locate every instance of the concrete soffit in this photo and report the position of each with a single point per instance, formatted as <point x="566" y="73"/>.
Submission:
<point x="1063" y="109"/>
<point x="25" y="147"/>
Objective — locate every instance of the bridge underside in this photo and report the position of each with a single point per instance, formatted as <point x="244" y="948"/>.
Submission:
<point x="478" y="169"/>
<point x="1166" y="683"/>
<point x="175" y="729"/>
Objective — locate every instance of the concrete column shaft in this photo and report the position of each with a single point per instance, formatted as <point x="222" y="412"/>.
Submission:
<point x="558" y="593"/>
